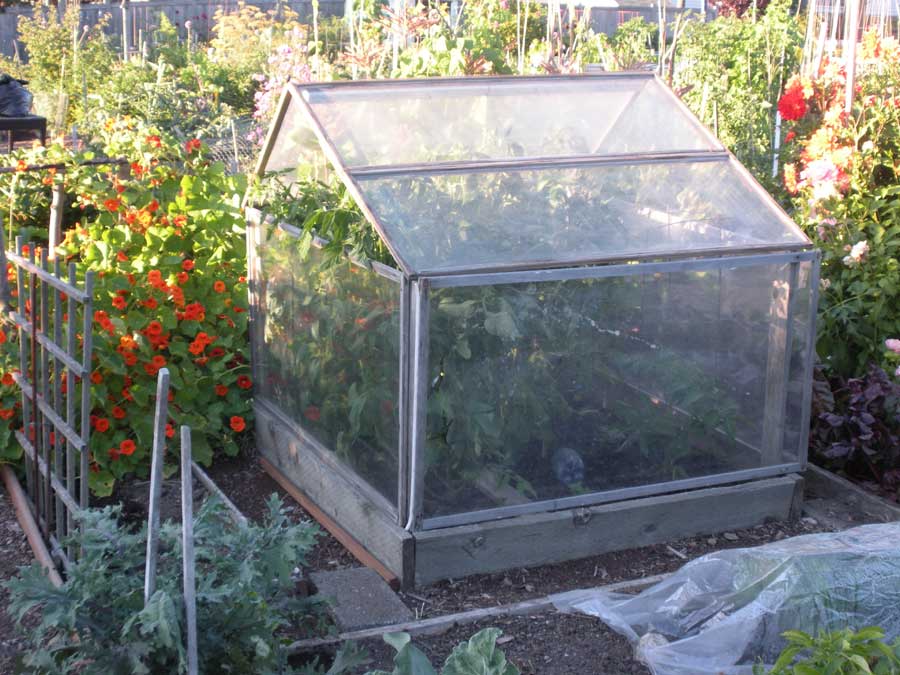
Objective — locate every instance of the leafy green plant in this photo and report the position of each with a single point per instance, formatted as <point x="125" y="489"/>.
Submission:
<point x="843" y="652"/>
<point x="478" y="656"/>
<point x="187" y="101"/>
<point x="97" y="622"/>
<point x="629" y="48"/>
<point x="63" y="58"/>
<point x="731" y="71"/>
<point x="507" y="404"/>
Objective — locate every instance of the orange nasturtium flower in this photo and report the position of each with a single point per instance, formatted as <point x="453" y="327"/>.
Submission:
<point x="238" y="424"/>
<point x="219" y="287"/>
<point x="112" y="205"/>
<point x="127" y="447"/>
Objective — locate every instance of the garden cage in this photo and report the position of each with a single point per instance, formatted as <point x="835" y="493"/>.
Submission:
<point x="591" y="329"/>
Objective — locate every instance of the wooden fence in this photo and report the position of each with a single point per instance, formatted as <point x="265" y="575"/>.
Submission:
<point x="143" y="17"/>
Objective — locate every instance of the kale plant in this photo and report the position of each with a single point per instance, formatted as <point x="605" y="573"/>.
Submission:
<point x="478" y="656"/>
<point x="97" y="622"/>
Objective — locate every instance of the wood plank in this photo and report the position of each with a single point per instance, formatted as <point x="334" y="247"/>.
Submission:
<point x="335" y="497"/>
<point x="356" y="549"/>
<point x="827" y="484"/>
<point x="439" y="624"/>
<point x="542" y="538"/>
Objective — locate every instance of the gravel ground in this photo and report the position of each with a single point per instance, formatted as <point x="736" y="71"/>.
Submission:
<point x="14" y="553"/>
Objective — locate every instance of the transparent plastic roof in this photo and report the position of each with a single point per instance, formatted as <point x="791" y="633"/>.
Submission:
<point x="456" y="221"/>
<point x="495" y="174"/>
<point x="490" y="118"/>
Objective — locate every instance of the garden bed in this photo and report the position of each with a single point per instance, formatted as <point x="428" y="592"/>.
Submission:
<point x="545" y="642"/>
<point x="245" y="482"/>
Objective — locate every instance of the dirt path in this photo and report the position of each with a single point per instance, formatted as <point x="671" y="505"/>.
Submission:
<point x="14" y="552"/>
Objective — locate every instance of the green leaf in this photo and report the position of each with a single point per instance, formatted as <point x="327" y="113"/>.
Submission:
<point x="479" y="656"/>
<point x="408" y="660"/>
<point x="501" y="324"/>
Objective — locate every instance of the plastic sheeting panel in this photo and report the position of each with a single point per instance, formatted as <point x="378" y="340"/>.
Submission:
<point x="727" y="610"/>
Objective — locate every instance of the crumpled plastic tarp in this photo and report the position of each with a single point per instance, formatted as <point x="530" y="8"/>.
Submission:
<point x="725" y="611"/>
<point x="15" y="99"/>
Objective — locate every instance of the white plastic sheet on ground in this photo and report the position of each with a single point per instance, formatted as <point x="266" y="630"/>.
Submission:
<point x="726" y="610"/>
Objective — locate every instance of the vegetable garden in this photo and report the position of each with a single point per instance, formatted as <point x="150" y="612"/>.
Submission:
<point x="145" y="184"/>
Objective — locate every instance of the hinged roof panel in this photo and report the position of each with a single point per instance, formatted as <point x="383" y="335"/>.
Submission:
<point x="485" y="173"/>
<point x="381" y="123"/>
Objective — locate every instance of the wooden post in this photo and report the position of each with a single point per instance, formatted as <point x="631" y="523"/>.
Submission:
<point x="850" y="35"/>
<point x="156" y="476"/>
<point x="187" y="538"/>
<point x="57" y="206"/>
<point x="125" y="47"/>
<point x="778" y="367"/>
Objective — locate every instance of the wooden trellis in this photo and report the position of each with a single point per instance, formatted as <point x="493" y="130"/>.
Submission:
<point x="54" y="320"/>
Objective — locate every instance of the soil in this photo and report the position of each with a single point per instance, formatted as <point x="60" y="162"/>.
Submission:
<point x="549" y="643"/>
<point x="515" y="585"/>
<point x="248" y="486"/>
<point x="14" y="553"/>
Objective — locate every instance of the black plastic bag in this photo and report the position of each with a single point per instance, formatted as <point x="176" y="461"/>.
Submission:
<point x="15" y="99"/>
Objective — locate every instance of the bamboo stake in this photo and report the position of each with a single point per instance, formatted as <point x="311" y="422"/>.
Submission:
<point x="187" y="546"/>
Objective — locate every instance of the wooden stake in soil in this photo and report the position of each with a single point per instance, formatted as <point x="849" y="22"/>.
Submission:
<point x="156" y="470"/>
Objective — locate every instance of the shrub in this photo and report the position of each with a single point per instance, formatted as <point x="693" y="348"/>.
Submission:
<point x="97" y="622"/>
<point x="857" y="431"/>
<point x="842" y="175"/>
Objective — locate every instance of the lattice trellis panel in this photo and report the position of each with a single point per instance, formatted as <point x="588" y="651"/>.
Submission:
<point x="53" y="317"/>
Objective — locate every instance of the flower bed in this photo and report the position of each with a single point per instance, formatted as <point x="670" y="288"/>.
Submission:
<point x="165" y="238"/>
<point x="842" y="174"/>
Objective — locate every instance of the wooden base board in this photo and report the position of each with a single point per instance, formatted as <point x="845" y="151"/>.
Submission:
<point x="551" y="537"/>
<point x="355" y="548"/>
<point x="348" y="506"/>
<point x="824" y="482"/>
<point x="335" y="498"/>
